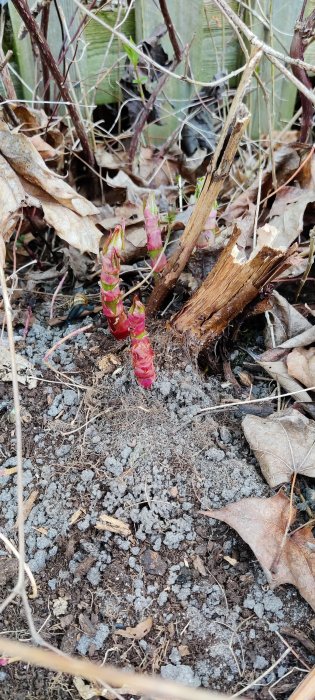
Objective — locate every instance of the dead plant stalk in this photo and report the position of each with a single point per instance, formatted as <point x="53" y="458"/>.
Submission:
<point x="236" y="122"/>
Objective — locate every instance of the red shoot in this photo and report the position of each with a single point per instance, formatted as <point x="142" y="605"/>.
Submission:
<point x="154" y="237"/>
<point x="141" y="349"/>
<point x="111" y="294"/>
<point x="206" y="237"/>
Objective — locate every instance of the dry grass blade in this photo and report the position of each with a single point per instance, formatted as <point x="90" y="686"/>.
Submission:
<point x="148" y="686"/>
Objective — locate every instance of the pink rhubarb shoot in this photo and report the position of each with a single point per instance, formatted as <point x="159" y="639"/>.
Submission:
<point x="158" y="259"/>
<point x="111" y="294"/>
<point x="141" y="349"/>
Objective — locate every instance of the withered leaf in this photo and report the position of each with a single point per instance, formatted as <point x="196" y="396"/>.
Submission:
<point x="12" y="196"/>
<point x="283" y="443"/>
<point x="137" y="632"/>
<point x="261" y="522"/>
<point x="79" y="231"/>
<point x="26" y="161"/>
<point x="301" y="365"/>
<point x="24" y="369"/>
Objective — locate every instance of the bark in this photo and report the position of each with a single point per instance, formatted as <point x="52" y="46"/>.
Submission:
<point x="232" y="284"/>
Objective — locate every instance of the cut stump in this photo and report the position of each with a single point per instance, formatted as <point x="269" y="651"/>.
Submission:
<point x="232" y="284"/>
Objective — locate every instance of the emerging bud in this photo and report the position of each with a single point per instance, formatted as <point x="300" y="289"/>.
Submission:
<point x="111" y="294"/>
<point x="141" y="349"/>
<point x="206" y="238"/>
<point x="154" y="236"/>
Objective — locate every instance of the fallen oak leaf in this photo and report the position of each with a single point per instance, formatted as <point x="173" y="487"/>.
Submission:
<point x="137" y="632"/>
<point x="262" y="524"/>
<point x="283" y="444"/>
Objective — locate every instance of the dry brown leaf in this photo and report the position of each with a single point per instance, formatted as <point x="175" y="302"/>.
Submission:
<point x="134" y="193"/>
<point x="199" y="565"/>
<point x="283" y="444"/>
<point x="286" y="161"/>
<point x="31" y="120"/>
<point x="46" y="151"/>
<point x="12" y="196"/>
<point x="113" y="160"/>
<point x="76" y="516"/>
<point x="261" y="522"/>
<point x="108" y="363"/>
<point x="107" y="522"/>
<point x="26" y="161"/>
<point x="301" y="365"/>
<point x="137" y="632"/>
<point x="24" y="369"/>
<point x="183" y="650"/>
<point x="279" y="372"/>
<point x="290" y="222"/>
<point x="287" y="322"/>
<point x="79" y="231"/>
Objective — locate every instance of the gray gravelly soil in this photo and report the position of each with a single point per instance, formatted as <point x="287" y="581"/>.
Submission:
<point x="113" y="448"/>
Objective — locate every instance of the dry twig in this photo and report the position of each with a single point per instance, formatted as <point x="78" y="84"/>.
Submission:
<point x="140" y="684"/>
<point x="223" y="157"/>
<point x="47" y="58"/>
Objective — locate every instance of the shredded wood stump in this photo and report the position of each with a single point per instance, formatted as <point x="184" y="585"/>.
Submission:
<point x="232" y="284"/>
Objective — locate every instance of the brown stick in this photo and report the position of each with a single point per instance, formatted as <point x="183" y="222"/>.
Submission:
<point x="223" y="157"/>
<point x="232" y="284"/>
<point x="139" y="683"/>
<point x="46" y="54"/>
<point x="303" y="34"/>
<point x="147" y="107"/>
<point x="45" y="69"/>
<point x="171" y="30"/>
<point x="306" y="689"/>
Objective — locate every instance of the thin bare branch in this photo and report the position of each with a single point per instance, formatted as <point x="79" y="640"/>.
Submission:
<point x="171" y="31"/>
<point x="46" y="54"/>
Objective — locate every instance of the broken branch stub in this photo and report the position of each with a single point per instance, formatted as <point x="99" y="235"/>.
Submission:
<point x="232" y="284"/>
<point x="212" y="187"/>
<point x="223" y="157"/>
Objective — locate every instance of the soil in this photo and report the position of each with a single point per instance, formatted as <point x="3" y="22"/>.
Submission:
<point x="95" y="442"/>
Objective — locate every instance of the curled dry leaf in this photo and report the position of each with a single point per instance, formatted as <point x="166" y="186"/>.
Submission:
<point x="301" y="365"/>
<point x="24" y="369"/>
<point x="46" y="151"/>
<point x="12" y="196"/>
<point x="79" y="231"/>
<point x="107" y="522"/>
<point x="134" y="193"/>
<point x="137" y="632"/>
<point x="287" y="322"/>
<point x="279" y="372"/>
<point x="26" y="161"/>
<point x="261" y="523"/>
<point x="283" y="444"/>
